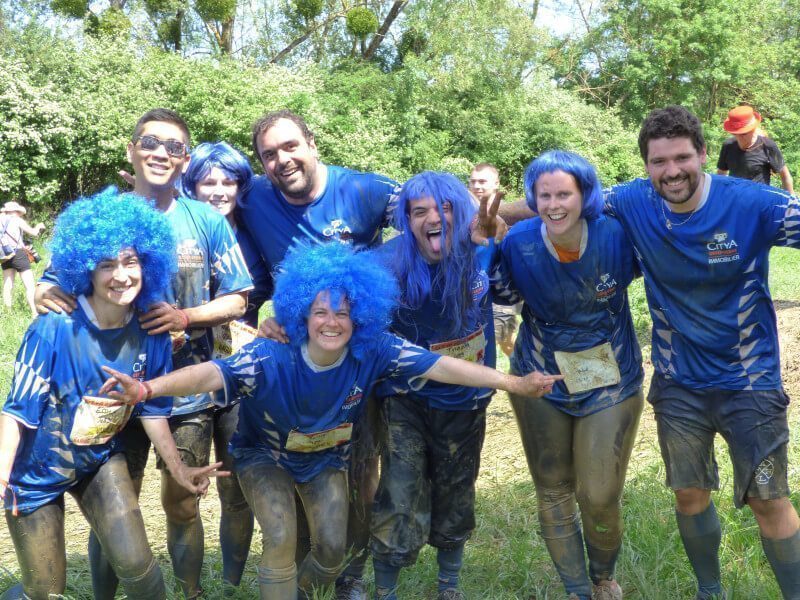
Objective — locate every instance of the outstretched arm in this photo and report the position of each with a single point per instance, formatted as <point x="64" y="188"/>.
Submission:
<point x="188" y="381"/>
<point x="462" y="372"/>
<point x="786" y="179"/>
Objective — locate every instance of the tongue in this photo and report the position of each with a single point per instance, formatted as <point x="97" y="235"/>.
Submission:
<point x="435" y="242"/>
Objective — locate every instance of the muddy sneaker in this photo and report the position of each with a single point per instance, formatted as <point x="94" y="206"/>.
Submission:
<point x="608" y="589"/>
<point x="450" y="594"/>
<point x="351" y="588"/>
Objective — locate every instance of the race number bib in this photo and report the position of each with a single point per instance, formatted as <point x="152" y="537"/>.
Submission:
<point x="97" y="420"/>
<point x="228" y="338"/>
<point x="471" y="348"/>
<point x="319" y="440"/>
<point x="588" y="369"/>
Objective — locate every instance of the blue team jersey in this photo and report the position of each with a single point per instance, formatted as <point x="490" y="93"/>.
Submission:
<point x="353" y="209"/>
<point x="706" y="279"/>
<point x="284" y="393"/>
<point x="428" y="326"/>
<point x="571" y="307"/>
<point x="210" y="265"/>
<point x="57" y="365"/>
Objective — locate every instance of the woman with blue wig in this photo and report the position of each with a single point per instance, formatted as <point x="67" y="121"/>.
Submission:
<point x="220" y="175"/>
<point x="58" y="434"/>
<point x="431" y="457"/>
<point x="571" y="265"/>
<point x="300" y="401"/>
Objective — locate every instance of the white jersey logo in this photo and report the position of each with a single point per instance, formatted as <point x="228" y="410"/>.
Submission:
<point x="722" y="249"/>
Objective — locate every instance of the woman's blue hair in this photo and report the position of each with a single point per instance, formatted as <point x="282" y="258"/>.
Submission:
<point x="225" y="157"/>
<point x="335" y="268"/>
<point x="577" y="166"/>
<point x="96" y="228"/>
<point x="452" y="281"/>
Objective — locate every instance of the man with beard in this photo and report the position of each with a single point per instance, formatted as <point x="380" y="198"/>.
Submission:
<point x="303" y="201"/>
<point x="703" y="244"/>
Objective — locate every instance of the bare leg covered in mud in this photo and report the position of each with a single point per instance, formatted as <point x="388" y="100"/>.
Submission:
<point x="270" y="491"/>
<point x="108" y="501"/>
<point x="579" y="461"/>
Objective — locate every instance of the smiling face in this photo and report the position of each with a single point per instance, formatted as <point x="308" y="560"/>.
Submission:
<point x="329" y="329"/>
<point x="559" y="202"/>
<point x="675" y="168"/>
<point x="290" y="160"/>
<point x="117" y="281"/>
<point x="219" y="190"/>
<point x="156" y="169"/>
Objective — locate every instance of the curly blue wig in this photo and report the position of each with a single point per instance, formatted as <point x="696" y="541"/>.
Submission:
<point x="577" y="166"/>
<point x="357" y="276"/>
<point x="94" y="229"/>
<point x="225" y="157"/>
<point x="453" y="279"/>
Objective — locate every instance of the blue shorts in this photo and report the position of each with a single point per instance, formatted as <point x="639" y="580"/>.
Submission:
<point x="753" y="423"/>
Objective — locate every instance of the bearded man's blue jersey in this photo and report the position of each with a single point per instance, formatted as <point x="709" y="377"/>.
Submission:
<point x="284" y="391"/>
<point x="571" y="307"/>
<point x="706" y="274"/>
<point x="58" y="363"/>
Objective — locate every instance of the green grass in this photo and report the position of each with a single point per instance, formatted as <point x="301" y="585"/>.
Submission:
<point x="506" y="558"/>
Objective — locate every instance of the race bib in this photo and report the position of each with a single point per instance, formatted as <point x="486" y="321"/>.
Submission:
<point x="471" y="348"/>
<point x="97" y="420"/>
<point x="588" y="369"/>
<point x="228" y="338"/>
<point x="319" y="440"/>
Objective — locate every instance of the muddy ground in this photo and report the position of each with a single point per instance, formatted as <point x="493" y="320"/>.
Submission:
<point x="503" y="460"/>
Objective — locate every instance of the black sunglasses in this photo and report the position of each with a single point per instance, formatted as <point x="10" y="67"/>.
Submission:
<point x="151" y="142"/>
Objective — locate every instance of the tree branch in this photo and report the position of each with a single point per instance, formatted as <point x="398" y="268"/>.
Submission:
<point x="377" y="39"/>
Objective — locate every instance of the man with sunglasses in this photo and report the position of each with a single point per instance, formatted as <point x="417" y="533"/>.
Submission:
<point x="210" y="289"/>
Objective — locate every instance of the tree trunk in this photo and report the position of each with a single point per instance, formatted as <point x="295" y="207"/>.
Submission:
<point x="377" y="39"/>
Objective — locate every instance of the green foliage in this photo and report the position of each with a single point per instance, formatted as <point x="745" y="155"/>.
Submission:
<point x="308" y="9"/>
<point x="215" y="10"/>
<point x="361" y="22"/>
<point x="70" y="8"/>
<point x="114" y="23"/>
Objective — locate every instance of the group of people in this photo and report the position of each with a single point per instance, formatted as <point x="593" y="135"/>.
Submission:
<point x="384" y="353"/>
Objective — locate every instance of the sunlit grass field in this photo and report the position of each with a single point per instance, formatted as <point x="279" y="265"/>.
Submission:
<point x="506" y="557"/>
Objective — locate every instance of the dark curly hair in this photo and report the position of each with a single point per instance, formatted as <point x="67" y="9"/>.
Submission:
<point x="670" y="122"/>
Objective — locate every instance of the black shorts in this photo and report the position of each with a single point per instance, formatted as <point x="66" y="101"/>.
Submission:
<point x="753" y="423"/>
<point x="19" y="262"/>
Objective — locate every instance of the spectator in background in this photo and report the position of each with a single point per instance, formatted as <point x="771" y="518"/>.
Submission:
<point x="750" y="154"/>
<point x="484" y="183"/>
<point x="15" y="257"/>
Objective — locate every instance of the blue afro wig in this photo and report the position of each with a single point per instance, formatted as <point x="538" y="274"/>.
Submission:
<point x="581" y="169"/>
<point x="453" y="280"/>
<point x="223" y="156"/>
<point x="94" y="229"/>
<point x="336" y="268"/>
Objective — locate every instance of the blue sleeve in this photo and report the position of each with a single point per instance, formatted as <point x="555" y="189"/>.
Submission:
<point x="33" y="369"/>
<point x="229" y="271"/>
<point x="251" y="368"/>
<point x="780" y="216"/>
<point x="160" y="363"/>
<point x="405" y="361"/>
<point x="503" y="290"/>
<point x="263" y="284"/>
<point x="385" y="191"/>
<point x="49" y="275"/>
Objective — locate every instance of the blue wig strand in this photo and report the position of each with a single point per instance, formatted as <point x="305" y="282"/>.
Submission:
<point x="94" y="229"/>
<point x="581" y="170"/>
<point x="335" y="268"/>
<point x="226" y="158"/>
<point x="453" y="278"/>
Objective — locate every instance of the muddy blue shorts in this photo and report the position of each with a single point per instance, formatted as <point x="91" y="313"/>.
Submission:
<point x="753" y="423"/>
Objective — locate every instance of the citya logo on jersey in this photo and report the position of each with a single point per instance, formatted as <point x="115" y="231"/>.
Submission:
<point x="722" y="249"/>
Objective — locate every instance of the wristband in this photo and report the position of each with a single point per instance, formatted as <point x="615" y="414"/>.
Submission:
<point x="140" y="392"/>
<point x="184" y="317"/>
<point x="148" y="391"/>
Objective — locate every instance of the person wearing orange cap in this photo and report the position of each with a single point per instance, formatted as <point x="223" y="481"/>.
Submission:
<point x="750" y="154"/>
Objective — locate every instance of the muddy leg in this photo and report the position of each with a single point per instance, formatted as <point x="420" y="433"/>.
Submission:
<point x="38" y="539"/>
